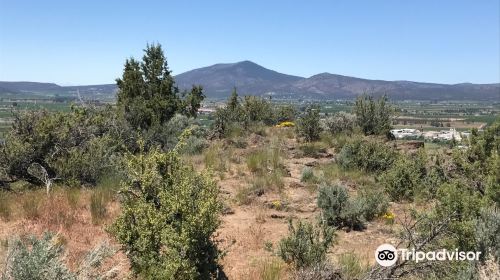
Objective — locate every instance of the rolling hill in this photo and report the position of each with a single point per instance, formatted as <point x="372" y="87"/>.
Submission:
<point x="250" y="78"/>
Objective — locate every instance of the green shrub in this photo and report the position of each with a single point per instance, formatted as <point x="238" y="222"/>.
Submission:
<point x="333" y="200"/>
<point x="374" y="117"/>
<point x="375" y="203"/>
<point x="88" y="163"/>
<point x="285" y="113"/>
<point x="341" y="122"/>
<point x="306" y="245"/>
<point x="257" y="109"/>
<point x="308" y="125"/>
<point x="169" y="215"/>
<point x="370" y="156"/>
<point x="403" y="179"/>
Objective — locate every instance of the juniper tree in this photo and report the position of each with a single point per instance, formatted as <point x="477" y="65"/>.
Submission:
<point x="147" y="93"/>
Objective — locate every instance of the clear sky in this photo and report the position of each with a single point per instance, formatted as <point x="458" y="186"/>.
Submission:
<point x="86" y="42"/>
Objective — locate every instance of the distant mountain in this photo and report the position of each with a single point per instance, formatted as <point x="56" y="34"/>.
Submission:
<point x="34" y="89"/>
<point x="28" y="87"/>
<point x="331" y="86"/>
<point x="249" y="78"/>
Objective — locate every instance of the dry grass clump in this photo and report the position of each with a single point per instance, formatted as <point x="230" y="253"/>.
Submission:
<point x="31" y="202"/>
<point x="270" y="268"/>
<point x="351" y="266"/>
<point x="5" y="206"/>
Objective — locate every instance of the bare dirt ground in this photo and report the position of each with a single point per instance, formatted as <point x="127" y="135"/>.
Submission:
<point x="246" y="230"/>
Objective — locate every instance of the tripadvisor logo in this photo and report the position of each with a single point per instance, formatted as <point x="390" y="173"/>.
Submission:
<point x="388" y="255"/>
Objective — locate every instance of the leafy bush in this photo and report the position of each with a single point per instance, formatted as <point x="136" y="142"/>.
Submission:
<point x="89" y="162"/>
<point x="370" y="156"/>
<point x="169" y="215"/>
<point x="258" y="109"/>
<point x="341" y="122"/>
<point x="375" y="203"/>
<point x="306" y="245"/>
<point x="42" y="258"/>
<point x="308" y="125"/>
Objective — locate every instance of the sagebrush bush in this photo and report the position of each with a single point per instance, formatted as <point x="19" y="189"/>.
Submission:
<point x="488" y="234"/>
<point x="332" y="200"/>
<point x="169" y="215"/>
<point x="367" y="155"/>
<point x="195" y="145"/>
<point x="340" y="122"/>
<point x="307" y="175"/>
<point x="306" y="245"/>
<point x="353" y="215"/>
<point x="339" y="210"/>
<point x="43" y="258"/>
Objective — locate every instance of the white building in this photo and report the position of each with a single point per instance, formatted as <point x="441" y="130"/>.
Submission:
<point x="444" y="135"/>
<point x="406" y="133"/>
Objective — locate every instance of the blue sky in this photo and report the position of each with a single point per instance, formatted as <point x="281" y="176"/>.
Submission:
<point x="87" y="42"/>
